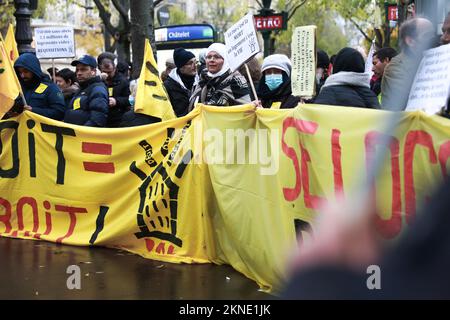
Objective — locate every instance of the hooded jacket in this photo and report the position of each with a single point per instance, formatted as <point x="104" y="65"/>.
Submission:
<point x="44" y="97"/>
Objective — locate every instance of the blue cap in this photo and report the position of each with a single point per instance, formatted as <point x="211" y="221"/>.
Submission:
<point x="87" y="60"/>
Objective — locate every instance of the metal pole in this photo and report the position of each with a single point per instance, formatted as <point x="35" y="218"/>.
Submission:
<point x="24" y="35"/>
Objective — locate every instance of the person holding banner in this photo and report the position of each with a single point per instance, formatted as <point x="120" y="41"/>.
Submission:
<point x="274" y="88"/>
<point x="89" y="107"/>
<point x="219" y="86"/>
<point x="41" y="94"/>
<point x="349" y="84"/>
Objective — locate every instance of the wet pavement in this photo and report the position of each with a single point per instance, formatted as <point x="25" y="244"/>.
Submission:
<point x="38" y="270"/>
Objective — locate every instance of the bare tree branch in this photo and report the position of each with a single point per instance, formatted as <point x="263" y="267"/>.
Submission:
<point x="156" y="2"/>
<point x="83" y="6"/>
<point x="121" y="10"/>
<point x="105" y="16"/>
<point x="259" y="3"/>
<point x="359" y="28"/>
<point x="295" y="9"/>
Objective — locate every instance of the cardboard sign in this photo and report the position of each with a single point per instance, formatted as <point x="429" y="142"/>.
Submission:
<point x="304" y="61"/>
<point x="431" y="86"/>
<point x="54" y="42"/>
<point x="241" y="41"/>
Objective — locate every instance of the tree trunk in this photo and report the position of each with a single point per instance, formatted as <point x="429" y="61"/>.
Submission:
<point x="141" y="29"/>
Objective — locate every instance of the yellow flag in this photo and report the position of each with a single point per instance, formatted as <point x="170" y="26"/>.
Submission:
<point x="9" y="84"/>
<point x="151" y="97"/>
<point x="11" y="45"/>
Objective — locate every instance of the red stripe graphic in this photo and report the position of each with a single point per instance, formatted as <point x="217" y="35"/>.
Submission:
<point x="103" y="167"/>
<point x="96" y="148"/>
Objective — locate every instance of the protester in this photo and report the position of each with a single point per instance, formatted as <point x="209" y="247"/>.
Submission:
<point x="416" y="35"/>
<point x="201" y="61"/>
<point x="445" y="38"/>
<point x="322" y="65"/>
<point x="254" y="67"/>
<point x="170" y="64"/>
<point x="381" y="59"/>
<point x="124" y="69"/>
<point x="118" y="89"/>
<point x="89" y="107"/>
<point x="50" y="72"/>
<point x="41" y="94"/>
<point x="274" y="88"/>
<point x="180" y="81"/>
<point x="219" y="86"/>
<point x="66" y="80"/>
<point x="349" y="84"/>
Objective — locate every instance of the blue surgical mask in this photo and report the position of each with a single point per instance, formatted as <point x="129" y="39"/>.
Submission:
<point x="131" y="100"/>
<point x="273" y="81"/>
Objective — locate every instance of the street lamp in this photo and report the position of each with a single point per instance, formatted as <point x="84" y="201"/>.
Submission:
<point x="24" y="36"/>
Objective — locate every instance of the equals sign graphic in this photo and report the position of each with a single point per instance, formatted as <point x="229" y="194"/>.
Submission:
<point x="97" y="148"/>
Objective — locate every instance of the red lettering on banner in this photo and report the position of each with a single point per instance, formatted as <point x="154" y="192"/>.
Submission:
<point x="391" y="227"/>
<point x="150" y="244"/>
<point x="311" y="201"/>
<point x="337" y="167"/>
<point x="34" y="207"/>
<point x="412" y="139"/>
<point x="72" y="211"/>
<point x="290" y="194"/>
<point x="444" y="154"/>
<point x="160" y="249"/>
<point x="6" y="218"/>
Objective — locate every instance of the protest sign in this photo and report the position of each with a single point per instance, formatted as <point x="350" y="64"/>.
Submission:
<point x="430" y="89"/>
<point x="304" y="61"/>
<point x="54" y="42"/>
<point x="241" y="41"/>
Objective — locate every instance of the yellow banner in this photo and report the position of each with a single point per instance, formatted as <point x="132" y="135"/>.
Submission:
<point x="223" y="185"/>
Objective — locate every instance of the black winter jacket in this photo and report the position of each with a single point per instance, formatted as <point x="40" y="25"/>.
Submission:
<point x="119" y="90"/>
<point x="178" y="94"/>
<point x="350" y="89"/>
<point x="89" y="107"/>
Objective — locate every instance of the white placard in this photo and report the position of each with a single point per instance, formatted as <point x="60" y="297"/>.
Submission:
<point x="431" y="86"/>
<point x="241" y="41"/>
<point x="54" y="42"/>
<point x="303" y="61"/>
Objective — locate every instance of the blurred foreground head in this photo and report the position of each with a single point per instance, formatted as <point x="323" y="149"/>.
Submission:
<point x="416" y="36"/>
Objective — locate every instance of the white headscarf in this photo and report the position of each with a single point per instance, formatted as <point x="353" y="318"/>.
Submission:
<point x="221" y="49"/>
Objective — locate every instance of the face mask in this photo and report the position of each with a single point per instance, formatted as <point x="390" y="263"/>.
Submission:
<point x="131" y="100"/>
<point x="273" y="81"/>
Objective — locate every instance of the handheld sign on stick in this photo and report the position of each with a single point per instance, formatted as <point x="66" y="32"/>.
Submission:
<point x="304" y="61"/>
<point x="242" y="44"/>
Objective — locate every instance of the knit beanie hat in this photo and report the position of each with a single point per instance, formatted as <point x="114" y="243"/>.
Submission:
<point x="278" y="61"/>
<point x="349" y="59"/>
<point x="322" y="59"/>
<point x="182" y="56"/>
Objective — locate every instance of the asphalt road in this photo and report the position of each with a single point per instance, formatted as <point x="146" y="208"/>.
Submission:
<point x="38" y="270"/>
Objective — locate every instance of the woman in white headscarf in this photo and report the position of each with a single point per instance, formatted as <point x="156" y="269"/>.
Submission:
<point x="219" y="86"/>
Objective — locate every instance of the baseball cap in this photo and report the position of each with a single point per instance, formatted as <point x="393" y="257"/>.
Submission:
<point x="87" y="60"/>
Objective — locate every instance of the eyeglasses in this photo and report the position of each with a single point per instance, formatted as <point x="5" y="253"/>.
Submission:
<point x="215" y="57"/>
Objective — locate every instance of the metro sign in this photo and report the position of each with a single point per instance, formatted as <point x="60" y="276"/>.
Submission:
<point x="272" y="22"/>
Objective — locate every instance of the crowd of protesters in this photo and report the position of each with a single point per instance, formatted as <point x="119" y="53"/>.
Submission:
<point x="99" y="92"/>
